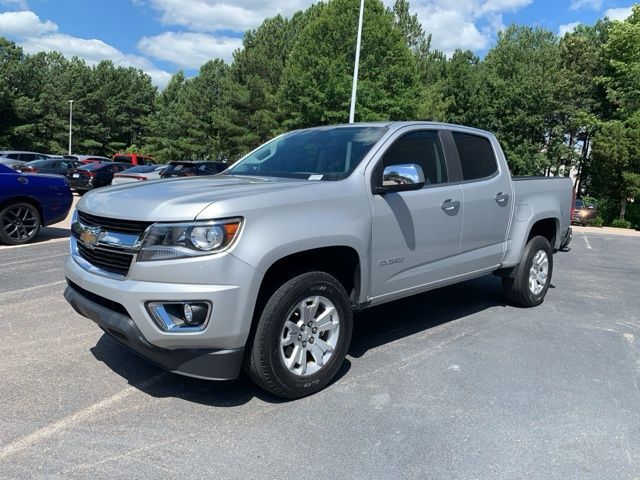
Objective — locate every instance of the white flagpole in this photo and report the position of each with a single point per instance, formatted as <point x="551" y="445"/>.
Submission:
<point x="354" y="88"/>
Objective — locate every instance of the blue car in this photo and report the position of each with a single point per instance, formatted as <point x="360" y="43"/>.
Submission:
<point x="30" y="202"/>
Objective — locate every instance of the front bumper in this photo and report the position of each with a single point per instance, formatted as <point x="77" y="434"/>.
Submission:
<point x="198" y="279"/>
<point x="206" y="363"/>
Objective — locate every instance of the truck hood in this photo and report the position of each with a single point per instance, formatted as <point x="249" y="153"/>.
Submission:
<point x="176" y="199"/>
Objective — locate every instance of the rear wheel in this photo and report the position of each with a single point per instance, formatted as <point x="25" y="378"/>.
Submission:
<point x="302" y="336"/>
<point x="19" y="223"/>
<point x="530" y="281"/>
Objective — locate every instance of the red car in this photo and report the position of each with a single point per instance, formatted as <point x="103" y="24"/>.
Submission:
<point x="133" y="159"/>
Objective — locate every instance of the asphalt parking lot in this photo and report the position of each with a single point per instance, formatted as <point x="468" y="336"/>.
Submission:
<point x="448" y="384"/>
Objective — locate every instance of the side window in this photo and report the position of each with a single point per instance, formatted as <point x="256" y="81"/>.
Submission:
<point x="27" y="157"/>
<point x="14" y="156"/>
<point x="476" y="156"/>
<point x="422" y="148"/>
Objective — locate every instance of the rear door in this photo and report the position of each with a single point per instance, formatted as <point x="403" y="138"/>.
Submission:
<point x="487" y="201"/>
<point x="415" y="234"/>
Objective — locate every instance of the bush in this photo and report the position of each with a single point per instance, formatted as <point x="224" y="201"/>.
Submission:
<point x="618" y="223"/>
<point x="597" y="222"/>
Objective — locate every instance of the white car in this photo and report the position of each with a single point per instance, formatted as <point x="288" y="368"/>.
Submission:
<point x="138" y="174"/>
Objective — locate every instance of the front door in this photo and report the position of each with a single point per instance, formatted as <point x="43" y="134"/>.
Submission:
<point x="415" y="234"/>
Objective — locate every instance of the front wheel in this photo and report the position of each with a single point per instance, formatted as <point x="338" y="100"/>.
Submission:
<point x="19" y="223"/>
<point x="531" y="278"/>
<point x="302" y="336"/>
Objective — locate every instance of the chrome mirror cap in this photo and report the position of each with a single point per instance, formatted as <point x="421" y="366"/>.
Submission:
<point x="400" y="178"/>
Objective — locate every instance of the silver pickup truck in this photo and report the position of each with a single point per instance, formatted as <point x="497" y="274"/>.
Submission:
<point x="263" y="265"/>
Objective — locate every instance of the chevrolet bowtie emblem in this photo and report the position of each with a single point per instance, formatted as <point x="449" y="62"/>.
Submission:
<point x="90" y="236"/>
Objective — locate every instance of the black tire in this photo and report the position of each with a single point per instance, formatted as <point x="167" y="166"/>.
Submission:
<point x="19" y="223"/>
<point x="516" y="287"/>
<point x="264" y="362"/>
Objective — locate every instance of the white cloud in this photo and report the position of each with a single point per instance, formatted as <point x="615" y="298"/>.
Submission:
<point x="465" y="24"/>
<point x="461" y="24"/>
<point x="503" y="5"/>
<point x="593" y="4"/>
<point x="93" y="51"/>
<point x="189" y="50"/>
<point x="24" y="24"/>
<point x="18" y="4"/>
<point x="567" y="28"/>
<point x="211" y="15"/>
<point x="451" y="29"/>
<point x="619" y="13"/>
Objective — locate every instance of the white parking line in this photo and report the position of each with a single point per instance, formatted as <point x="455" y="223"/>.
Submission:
<point x="586" y="240"/>
<point x="74" y="419"/>
<point x="31" y="260"/>
<point x="44" y="242"/>
<point x="4" y="295"/>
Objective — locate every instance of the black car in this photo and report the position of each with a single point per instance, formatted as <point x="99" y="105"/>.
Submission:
<point x="57" y="166"/>
<point x="190" y="169"/>
<point x="94" y="175"/>
<point x="583" y="212"/>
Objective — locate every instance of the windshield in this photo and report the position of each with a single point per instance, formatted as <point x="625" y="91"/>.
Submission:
<point x="141" y="169"/>
<point x="122" y="158"/>
<point x="38" y="163"/>
<point x="316" y="154"/>
<point x="95" y="166"/>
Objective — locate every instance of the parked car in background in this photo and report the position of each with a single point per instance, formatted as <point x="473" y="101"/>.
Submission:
<point x="583" y="212"/>
<point x="94" y="175"/>
<point x="21" y="156"/>
<point x="30" y="202"/>
<point x="58" y="166"/>
<point x="10" y="162"/>
<point x="138" y="174"/>
<point x="133" y="159"/>
<point x="190" y="169"/>
<point x="88" y="158"/>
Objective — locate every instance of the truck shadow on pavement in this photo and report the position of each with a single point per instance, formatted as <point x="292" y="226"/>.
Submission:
<point x="373" y="328"/>
<point x="392" y="321"/>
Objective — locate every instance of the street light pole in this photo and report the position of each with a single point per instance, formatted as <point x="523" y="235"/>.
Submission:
<point x="354" y="88"/>
<point x="70" y="123"/>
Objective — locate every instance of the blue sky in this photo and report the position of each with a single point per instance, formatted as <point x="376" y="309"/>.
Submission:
<point x="164" y="36"/>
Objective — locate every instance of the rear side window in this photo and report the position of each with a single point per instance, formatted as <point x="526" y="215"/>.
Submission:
<point x="476" y="156"/>
<point x="122" y="158"/>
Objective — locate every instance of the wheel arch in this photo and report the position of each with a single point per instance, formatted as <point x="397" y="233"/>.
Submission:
<point x="341" y="261"/>
<point x="24" y="199"/>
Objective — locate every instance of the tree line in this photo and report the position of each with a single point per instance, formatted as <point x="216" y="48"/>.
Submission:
<point x="555" y="104"/>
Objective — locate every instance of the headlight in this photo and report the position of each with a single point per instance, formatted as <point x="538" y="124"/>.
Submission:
<point x="167" y="241"/>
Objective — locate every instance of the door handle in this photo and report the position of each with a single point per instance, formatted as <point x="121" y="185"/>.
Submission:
<point x="502" y="199"/>
<point x="450" y="205"/>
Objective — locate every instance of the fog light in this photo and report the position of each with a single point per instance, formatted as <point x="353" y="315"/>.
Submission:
<point x="188" y="313"/>
<point x="180" y="316"/>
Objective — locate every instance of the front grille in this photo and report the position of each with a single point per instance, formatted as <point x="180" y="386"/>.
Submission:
<point x="107" y="259"/>
<point x="113" y="224"/>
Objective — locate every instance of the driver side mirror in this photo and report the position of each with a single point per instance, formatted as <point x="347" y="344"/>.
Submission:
<point x="400" y="178"/>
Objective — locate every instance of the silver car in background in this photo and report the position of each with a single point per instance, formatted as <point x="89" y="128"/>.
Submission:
<point x="139" y="173"/>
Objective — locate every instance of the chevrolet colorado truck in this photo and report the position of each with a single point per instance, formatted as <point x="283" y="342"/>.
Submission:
<point x="262" y="266"/>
